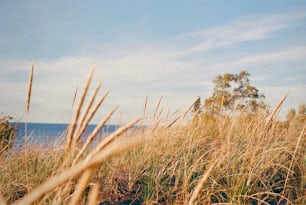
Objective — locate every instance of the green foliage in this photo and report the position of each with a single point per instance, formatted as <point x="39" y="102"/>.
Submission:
<point x="7" y="133"/>
<point x="233" y="92"/>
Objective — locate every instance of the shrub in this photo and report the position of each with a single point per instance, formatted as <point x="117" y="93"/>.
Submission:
<point x="7" y="133"/>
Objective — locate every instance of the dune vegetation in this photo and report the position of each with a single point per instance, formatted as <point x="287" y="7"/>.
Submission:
<point x="241" y="158"/>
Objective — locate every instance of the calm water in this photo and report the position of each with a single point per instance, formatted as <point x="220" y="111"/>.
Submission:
<point x="48" y="133"/>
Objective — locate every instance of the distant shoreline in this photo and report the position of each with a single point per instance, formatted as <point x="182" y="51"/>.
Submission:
<point x="39" y="133"/>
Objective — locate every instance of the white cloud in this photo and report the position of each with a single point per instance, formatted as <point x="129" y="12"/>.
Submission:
<point x="155" y="69"/>
<point x="263" y="59"/>
<point x="129" y="79"/>
<point x="247" y="29"/>
<point x="290" y="54"/>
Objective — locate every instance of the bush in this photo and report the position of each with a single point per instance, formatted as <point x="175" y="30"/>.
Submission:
<point x="7" y="133"/>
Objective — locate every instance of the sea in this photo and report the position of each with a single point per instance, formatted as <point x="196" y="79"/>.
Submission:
<point x="49" y="133"/>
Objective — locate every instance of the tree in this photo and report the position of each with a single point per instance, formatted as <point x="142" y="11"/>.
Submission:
<point x="298" y="115"/>
<point x="302" y="109"/>
<point x="291" y="114"/>
<point x="233" y="92"/>
<point x="7" y="133"/>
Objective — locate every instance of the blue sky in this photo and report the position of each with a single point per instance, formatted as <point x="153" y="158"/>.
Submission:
<point x="144" y="48"/>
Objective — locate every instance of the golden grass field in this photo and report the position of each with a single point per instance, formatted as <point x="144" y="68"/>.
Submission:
<point x="242" y="159"/>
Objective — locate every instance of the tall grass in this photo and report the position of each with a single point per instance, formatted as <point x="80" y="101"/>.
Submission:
<point x="226" y="160"/>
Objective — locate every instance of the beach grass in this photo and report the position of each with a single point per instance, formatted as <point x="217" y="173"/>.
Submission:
<point x="238" y="159"/>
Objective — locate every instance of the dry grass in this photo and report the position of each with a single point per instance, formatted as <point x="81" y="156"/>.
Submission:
<point x="30" y="88"/>
<point x="227" y="160"/>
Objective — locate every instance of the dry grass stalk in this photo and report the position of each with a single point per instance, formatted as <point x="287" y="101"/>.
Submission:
<point x="255" y="198"/>
<point x="2" y="200"/>
<point x="293" y="157"/>
<point x="77" y="134"/>
<point x="90" y="116"/>
<point x="111" y="138"/>
<point x="70" y="173"/>
<point x="93" y="194"/>
<point x="89" y="172"/>
<point x="145" y="105"/>
<point x="189" y="109"/>
<point x="174" y="121"/>
<point x="276" y="109"/>
<point x="74" y="96"/>
<point x="72" y="126"/>
<point x="27" y="112"/>
<point x="250" y="152"/>
<point x="81" y="186"/>
<point x="156" y="125"/>
<point x="157" y="107"/>
<point x="178" y="156"/>
<point x="30" y="88"/>
<point x="201" y="183"/>
<point x="85" y="179"/>
<point x="94" y="134"/>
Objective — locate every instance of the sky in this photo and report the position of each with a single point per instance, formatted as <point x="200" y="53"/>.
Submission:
<point x="172" y="49"/>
